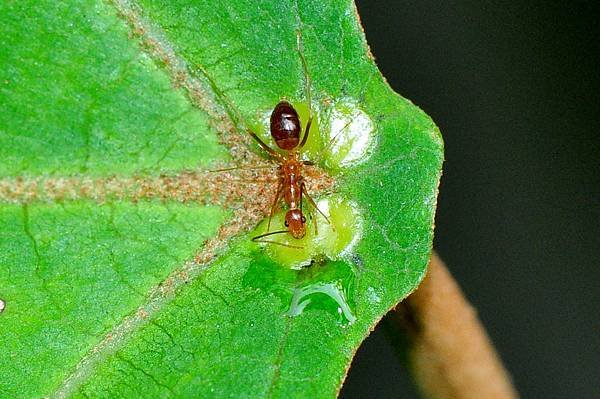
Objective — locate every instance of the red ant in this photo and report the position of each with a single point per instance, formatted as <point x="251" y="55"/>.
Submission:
<point x="285" y="130"/>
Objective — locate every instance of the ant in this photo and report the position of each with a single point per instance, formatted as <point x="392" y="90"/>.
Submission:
<point x="285" y="131"/>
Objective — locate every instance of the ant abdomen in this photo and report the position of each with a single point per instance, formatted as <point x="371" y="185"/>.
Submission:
<point x="285" y="126"/>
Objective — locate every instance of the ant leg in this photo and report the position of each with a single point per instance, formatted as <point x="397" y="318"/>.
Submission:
<point x="306" y="131"/>
<point x="264" y="146"/>
<point x="312" y="202"/>
<point x="250" y="167"/>
<point x="275" y="203"/>
<point x="321" y="153"/>
<point x="313" y="217"/>
<point x="300" y="50"/>
<point x="254" y="181"/>
<point x="258" y="239"/>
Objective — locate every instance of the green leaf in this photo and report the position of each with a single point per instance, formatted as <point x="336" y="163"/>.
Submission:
<point x="127" y="269"/>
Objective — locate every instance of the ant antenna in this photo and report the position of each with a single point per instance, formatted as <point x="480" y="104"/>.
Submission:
<point x="257" y="239"/>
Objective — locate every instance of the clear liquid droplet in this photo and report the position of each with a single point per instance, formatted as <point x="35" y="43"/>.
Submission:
<point x="350" y="135"/>
<point x="327" y="286"/>
<point x="319" y="292"/>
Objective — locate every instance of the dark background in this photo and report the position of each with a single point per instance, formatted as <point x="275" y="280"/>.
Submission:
<point x="514" y="88"/>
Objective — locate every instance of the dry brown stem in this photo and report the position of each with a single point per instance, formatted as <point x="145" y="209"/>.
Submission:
<point x="450" y="353"/>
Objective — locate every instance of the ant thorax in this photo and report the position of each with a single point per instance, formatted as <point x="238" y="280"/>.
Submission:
<point x="291" y="180"/>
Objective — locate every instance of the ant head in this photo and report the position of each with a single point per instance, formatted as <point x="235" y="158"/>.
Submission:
<point x="294" y="221"/>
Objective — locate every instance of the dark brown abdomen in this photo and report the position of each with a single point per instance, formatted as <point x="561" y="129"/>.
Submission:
<point x="285" y="126"/>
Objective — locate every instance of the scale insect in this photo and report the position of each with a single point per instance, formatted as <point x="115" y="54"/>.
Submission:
<point x="285" y="130"/>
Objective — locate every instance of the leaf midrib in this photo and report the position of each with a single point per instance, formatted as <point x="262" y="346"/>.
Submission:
<point x="204" y="94"/>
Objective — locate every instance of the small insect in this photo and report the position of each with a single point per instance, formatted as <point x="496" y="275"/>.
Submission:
<point x="285" y="131"/>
